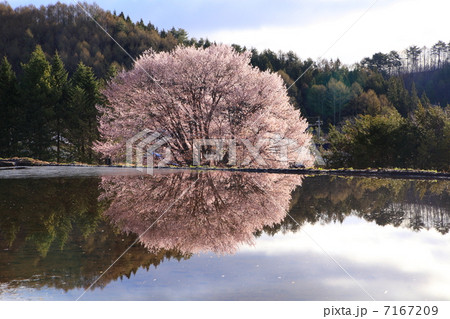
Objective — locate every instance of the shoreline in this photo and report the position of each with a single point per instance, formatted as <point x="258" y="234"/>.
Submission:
<point x="16" y="163"/>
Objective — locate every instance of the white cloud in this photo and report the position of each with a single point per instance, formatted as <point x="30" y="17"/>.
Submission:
<point x="385" y="27"/>
<point x="424" y="257"/>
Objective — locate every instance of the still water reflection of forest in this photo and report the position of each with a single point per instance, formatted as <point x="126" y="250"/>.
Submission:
<point x="221" y="236"/>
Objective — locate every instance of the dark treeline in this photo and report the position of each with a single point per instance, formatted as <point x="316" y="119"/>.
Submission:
<point x="330" y="89"/>
<point x="45" y="113"/>
<point x="388" y="110"/>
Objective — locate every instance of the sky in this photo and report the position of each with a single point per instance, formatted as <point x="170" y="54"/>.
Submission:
<point x="346" y="29"/>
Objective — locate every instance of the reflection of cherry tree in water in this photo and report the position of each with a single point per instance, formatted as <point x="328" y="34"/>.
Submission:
<point x="219" y="211"/>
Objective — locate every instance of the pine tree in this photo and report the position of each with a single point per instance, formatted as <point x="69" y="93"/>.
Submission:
<point x="85" y="95"/>
<point x="60" y="100"/>
<point x="35" y="89"/>
<point x="415" y="101"/>
<point x="8" y="110"/>
<point x="424" y="100"/>
<point x="398" y="95"/>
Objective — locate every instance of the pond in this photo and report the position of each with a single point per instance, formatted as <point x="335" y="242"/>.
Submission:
<point x="119" y="234"/>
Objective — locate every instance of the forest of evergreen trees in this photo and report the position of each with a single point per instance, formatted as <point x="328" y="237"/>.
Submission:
<point x="388" y="110"/>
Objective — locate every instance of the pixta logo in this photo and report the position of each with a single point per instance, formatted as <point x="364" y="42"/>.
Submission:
<point x="147" y="148"/>
<point x="143" y="148"/>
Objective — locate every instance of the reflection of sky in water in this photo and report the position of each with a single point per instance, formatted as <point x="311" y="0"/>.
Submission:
<point x="390" y="263"/>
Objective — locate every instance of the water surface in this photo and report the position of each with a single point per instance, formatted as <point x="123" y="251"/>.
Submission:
<point x="189" y="235"/>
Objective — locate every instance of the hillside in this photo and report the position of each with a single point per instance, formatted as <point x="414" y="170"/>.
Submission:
<point x="56" y="60"/>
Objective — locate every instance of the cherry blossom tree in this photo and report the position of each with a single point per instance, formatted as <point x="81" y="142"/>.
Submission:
<point x="211" y="93"/>
<point x="194" y="212"/>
